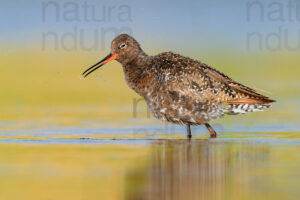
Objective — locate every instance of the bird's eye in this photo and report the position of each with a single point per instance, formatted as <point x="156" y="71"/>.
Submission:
<point x="122" y="46"/>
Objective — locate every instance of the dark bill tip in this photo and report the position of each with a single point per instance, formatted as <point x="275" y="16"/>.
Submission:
<point x="105" y="60"/>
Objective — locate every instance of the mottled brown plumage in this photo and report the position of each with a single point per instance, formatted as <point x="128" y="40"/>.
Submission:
<point x="179" y="89"/>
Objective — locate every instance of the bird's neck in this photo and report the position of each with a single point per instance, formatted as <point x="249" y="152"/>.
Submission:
<point x="136" y="70"/>
<point x="139" y="60"/>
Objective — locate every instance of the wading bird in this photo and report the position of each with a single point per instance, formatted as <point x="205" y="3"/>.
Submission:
<point x="179" y="89"/>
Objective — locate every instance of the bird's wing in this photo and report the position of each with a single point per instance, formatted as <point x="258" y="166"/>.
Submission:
<point x="183" y="79"/>
<point x="202" y="83"/>
<point x="242" y="93"/>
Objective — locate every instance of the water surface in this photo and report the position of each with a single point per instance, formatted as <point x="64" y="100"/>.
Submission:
<point x="148" y="161"/>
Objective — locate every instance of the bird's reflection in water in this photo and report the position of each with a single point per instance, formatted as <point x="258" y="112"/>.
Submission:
<point x="197" y="169"/>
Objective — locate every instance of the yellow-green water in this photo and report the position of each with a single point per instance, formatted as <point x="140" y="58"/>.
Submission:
<point x="63" y="137"/>
<point x="156" y="169"/>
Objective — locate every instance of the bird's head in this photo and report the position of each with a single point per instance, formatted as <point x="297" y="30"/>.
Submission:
<point x="124" y="49"/>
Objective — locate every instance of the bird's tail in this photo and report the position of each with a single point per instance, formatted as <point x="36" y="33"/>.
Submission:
<point x="235" y="107"/>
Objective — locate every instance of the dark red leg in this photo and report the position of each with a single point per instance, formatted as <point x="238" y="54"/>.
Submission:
<point x="188" y="131"/>
<point x="213" y="133"/>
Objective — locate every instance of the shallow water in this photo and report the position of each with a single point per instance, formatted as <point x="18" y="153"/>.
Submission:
<point x="148" y="161"/>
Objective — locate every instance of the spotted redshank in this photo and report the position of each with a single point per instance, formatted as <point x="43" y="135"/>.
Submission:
<point x="179" y="89"/>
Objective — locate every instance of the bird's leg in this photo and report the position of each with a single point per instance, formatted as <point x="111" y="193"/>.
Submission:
<point x="213" y="133"/>
<point x="188" y="131"/>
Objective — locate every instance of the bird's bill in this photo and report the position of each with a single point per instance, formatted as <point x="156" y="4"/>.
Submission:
<point x="102" y="62"/>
